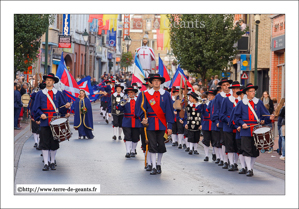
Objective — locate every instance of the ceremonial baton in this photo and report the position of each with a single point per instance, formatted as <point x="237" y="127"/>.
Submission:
<point x="145" y="125"/>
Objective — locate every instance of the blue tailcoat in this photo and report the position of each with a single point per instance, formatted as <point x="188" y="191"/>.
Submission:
<point x="205" y="118"/>
<point x="244" y="115"/>
<point x="225" y="113"/>
<point x="166" y="105"/>
<point x="130" y="120"/>
<point x="217" y="101"/>
<point x="87" y="120"/>
<point x="211" y="109"/>
<point x="42" y="105"/>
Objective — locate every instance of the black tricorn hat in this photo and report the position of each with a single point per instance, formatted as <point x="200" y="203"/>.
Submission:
<point x="241" y="90"/>
<point x="223" y="80"/>
<point x="249" y="86"/>
<point x="194" y="95"/>
<point x="235" y="84"/>
<point x="156" y="76"/>
<point x="211" y="92"/>
<point x="131" y="88"/>
<point x="118" y="85"/>
<point x="174" y="89"/>
<point x="51" y="75"/>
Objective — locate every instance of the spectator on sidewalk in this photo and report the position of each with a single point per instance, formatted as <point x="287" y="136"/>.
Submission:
<point x="214" y="85"/>
<point x="282" y="115"/>
<point x="17" y="105"/>
<point x="24" y="89"/>
<point x="210" y="82"/>
<point x="279" y="117"/>
<point x="94" y="82"/>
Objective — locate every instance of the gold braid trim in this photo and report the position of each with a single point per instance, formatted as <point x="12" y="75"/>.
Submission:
<point x="79" y="115"/>
<point x="84" y="117"/>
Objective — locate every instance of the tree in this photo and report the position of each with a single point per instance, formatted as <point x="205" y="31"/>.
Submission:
<point x="28" y="29"/>
<point x="203" y="41"/>
<point x="126" y="59"/>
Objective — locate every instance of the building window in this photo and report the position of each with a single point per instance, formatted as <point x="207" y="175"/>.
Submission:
<point x="281" y="26"/>
<point x="54" y="24"/>
<point x="148" y="24"/>
<point x="276" y="27"/>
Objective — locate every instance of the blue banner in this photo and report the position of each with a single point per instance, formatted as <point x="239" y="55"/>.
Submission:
<point x="112" y="38"/>
<point x="66" y="21"/>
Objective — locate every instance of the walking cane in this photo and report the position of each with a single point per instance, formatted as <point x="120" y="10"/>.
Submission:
<point x="145" y="125"/>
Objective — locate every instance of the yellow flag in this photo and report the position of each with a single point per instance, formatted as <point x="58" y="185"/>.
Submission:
<point x="112" y="21"/>
<point x="164" y="28"/>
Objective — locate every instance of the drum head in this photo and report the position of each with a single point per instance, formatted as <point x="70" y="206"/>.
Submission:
<point x="58" y="121"/>
<point x="262" y="130"/>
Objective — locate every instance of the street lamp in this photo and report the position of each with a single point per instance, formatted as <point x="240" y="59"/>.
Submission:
<point x="128" y="41"/>
<point x="257" y="20"/>
<point x="85" y="37"/>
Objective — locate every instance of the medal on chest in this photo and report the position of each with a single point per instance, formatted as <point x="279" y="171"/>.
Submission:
<point x="152" y="102"/>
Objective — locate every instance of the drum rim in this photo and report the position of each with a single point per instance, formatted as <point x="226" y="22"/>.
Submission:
<point x="64" y="120"/>
<point x="268" y="129"/>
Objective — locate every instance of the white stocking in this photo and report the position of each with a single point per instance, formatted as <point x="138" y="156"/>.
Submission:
<point x="120" y="130"/>
<point x="35" y="136"/>
<point x="217" y="153"/>
<point x="45" y="156"/>
<point x="195" y="146"/>
<point x="53" y="154"/>
<point x="187" y="143"/>
<point x="206" y="150"/>
<point x="159" y="158"/>
<point x="174" y="138"/>
<point x="153" y="159"/>
<point x="213" y="150"/>
<point x="236" y="158"/>
<point x="128" y="146"/>
<point x="231" y="157"/>
<point x="191" y="145"/>
<point x="181" y="138"/>
<point x="225" y="158"/>
<point x="248" y="162"/>
<point x="38" y="139"/>
<point x="114" y="131"/>
<point x="134" y="147"/>
<point x="148" y="158"/>
<point x="242" y="160"/>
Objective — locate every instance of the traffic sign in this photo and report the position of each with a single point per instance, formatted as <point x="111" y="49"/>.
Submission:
<point x="244" y="76"/>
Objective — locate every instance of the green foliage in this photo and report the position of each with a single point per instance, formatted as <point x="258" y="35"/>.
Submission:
<point x="207" y="44"/>
<point x="28" y="29"/>
<point x="126" y="59"/>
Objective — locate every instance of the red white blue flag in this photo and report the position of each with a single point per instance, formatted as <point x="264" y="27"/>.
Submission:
<point x="177" y="78"/>
<point x="163" y="72"/>
<point x="138" y="73"/>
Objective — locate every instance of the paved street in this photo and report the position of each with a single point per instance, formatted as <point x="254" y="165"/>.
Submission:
<point x="102" y="161"/>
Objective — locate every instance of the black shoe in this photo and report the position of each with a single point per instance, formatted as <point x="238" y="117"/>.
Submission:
<point x="206" y="158"/>
<point x="196" y="152"/>
<point x="55" y="163"/>
<point x="52" y="166"/>
<point x="213" y="157"/>
<point x="217" y="161"/>
<point x="173" y="144"/>
<point x="83" y="137"/>
<point x="127" y="155"/>
<point x="46" y="167"/>
<point x="221" y="163"/>
<point x="225" y="166"/>
<point x="180" y="146"/>
<point x="242" y="171"/>
<point x="119" y="138"/>
<point x="153" y="172"/>
<point x="187" y="150"/>
<point x="231" y="168"/>
<point x="104" y="117"/>
<point x="184" y="146"/>
<point x="135" y="152"/>
<point x="159" y="171"/>
<point x="107" y="121"/>
<point x="249" y="173"/>
<point x="35" y="145"/>
<point x="246" y="169"/>
<point x="114" y="137"/>
<point x="132" y="154"/>
<point x="190" y="152"/>
<point x="101" y="113"/>
<point x="176" y="143"/>
<point x="37" y="148"/>
<point x="236" y="166"/>
<point x="279" y="153"/>
<point x="149" y="168"/>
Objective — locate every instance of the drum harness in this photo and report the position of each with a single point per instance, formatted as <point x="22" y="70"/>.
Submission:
<point x="56" y="110"/>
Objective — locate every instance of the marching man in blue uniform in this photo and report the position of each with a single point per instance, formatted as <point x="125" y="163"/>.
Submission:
<point x="229" y="133"/>
<point x="48" y="103"/>
<point x="130" y="124"/>
<point x="250" y="112"/>
<point x="224" y="83"/>
<point x="157" y="105"/>
<point x="207" y="125"/>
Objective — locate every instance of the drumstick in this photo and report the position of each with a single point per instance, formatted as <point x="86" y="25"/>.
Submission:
<point x="65" y="104"/>
<point x="253" y="125"/>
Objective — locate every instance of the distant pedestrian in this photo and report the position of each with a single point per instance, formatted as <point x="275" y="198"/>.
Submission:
<point x="210" y="82"/>
<point x="278" y="116"/>
<point x="214" y="85"/>
<point x="266" y="99"/>
<point x="24" y="89"/>
<point x="17" y="105"/>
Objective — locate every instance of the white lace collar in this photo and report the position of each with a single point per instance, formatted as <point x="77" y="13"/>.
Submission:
<point x="246" y="100"/>
<point x="135" y="98"/>
<point x="45" y="90"/>
<point x="121" y="94"/>
<point x="207" y="103"/>
<point x="224" y="94"/>
<point x="152" y="91"/>
<point x="196" y="104"/>
<point x="232" y="98"/>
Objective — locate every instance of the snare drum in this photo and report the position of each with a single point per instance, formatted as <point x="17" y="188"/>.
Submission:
<point x="263" y="138"/>
<point x="60" y="129"/>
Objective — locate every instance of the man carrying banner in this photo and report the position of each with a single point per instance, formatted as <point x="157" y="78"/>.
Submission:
<point x="157" y="103"/>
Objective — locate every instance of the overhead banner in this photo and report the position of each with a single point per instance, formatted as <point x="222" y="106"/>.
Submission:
<point x="66" y="24"/>
<point x="126" y="26"/>
<point x="93" y="25"/>
<point x="64" y="41"/>
<point x="112" y="38"/>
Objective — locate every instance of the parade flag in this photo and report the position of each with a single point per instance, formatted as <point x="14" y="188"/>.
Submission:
<point x="159" y="39"/>
<point x="94" y="96"/>
<point x="71" y="87"/>
<point x="177" y="78"/>
<point x="163" y="72"/>
<point x="85" y="85"/>
<point x="138" y="73"/>
<point x="164" y="29"/>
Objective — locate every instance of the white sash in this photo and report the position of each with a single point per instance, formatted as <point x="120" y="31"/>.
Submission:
<point x="252" y="110"/>
<point x="56" y="110"/>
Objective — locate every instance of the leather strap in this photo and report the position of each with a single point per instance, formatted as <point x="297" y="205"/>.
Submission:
<point x="252" y="110"/>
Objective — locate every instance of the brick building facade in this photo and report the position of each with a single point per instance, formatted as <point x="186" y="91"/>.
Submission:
<point x="277" y="56"/>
